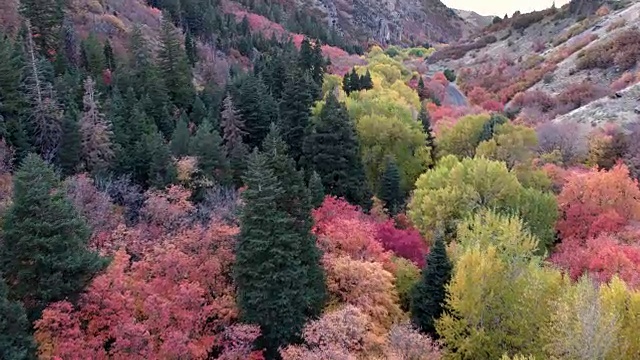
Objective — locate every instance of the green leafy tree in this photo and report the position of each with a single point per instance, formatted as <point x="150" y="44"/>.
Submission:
<point x="174" y="66"/>
<point x="273" y="286"/>
<point x="390" y="192"/>
<point x="332" y="150"/>
<point x="180" y="138"/>
<point x="44" y="251"/>
<point x="16" y="342"/>
<point x="428" y="296"/>
<point x="316" y="190"/>
<point x="463" y="138"/>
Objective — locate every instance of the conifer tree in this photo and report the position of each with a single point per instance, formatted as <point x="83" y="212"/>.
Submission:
<point x="16" y="342"/>
<point x="390" y="192"/>
<point x="428" y="296"/>
<point x="295" y="110"/>
<point x="366" y="83"/>
<point x="206" y="145"/>
<point x="332" y="149"/>
<point x="198" y="111"/>
<point x="43" y="253"/>
<point x="421" y="89"/>
<point x="233" y="131"/>
<point x="174" y="66"/>
<point x="272" y="283"/>
<point x="490" y="126"/>
<point x="161" y="169"/>
<point x="109" y="57"/>
<point x="69" y="155"/>
<point x="45" y="18"/>
<point x="190" y="48"/>
<point x="354" y="80"/>
<point x="425" y="120"/>
<point x="346" y="83"/>
<point x="95" y="131"/>
<point x="316" y="190"/>
<point x="93" y="56"/>
<point x="45" y="113"/>
<point x="256" y="107"/>
<point x="180" y="138"/>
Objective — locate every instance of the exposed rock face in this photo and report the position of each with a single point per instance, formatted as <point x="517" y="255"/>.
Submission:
<point x="392" y="21"/>
<point x="584" y="7"/>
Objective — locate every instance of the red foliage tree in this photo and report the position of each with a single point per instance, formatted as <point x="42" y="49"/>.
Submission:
<point x="175" y="302"/>
<point x="406" y="243"/>
<point x="598" y="201"/>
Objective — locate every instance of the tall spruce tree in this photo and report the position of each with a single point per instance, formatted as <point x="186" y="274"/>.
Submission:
<point x="421" y="89"/>
<point x="295" y="110"/>
<point x="425" y="120"/>
<point x="390" y="192"/>
<point x="161" y="170"/>
<point x="206" y="145"/>
<point x="272" y="281"/>
<point x="43" y="253"/>
<point x="46" y="18"/>
<point x="256" y="106"/>
<point x="366" y="83"/>
<point x="428" y="295"/>
<point x="232" y="133"/>
<point x="175" y="68"/>
<point x="180" y="137"/>
<point x="16" y="342"/>
<point x="69" y="155"/>
<point x="190" y="48"/>
<point x="109" y="57"/>
<point x="316" y="190"/>
<point x="198" y="111"/>
<point x="331" y="148"/>
<point x="490" y="126"/>
<point x="93" y="58"/>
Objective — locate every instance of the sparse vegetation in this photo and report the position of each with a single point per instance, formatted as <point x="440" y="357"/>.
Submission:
<point x="622" y="51"/>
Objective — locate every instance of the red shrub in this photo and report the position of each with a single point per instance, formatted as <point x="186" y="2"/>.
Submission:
<point x="406" y="243"/>
<point x="624" y="81"/>
<point x="580" y="94"/>
<point x="622" y="51"/>
<point x="492" y="105"/>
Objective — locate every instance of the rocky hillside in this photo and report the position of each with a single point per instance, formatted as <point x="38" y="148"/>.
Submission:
<point x="475" y="19"/>
<point x="578" y="64"/>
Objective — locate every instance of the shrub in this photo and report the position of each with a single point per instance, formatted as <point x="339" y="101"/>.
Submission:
<point x="577" y="95"/>
<point x="622" y="51"/>
<point x="524" y="21"/>
<point x="624" y="81"/>
<point x="450" y="75"/>
<point x="617" y="24"/>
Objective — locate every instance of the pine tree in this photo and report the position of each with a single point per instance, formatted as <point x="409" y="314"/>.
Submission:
<point x="295" y="110"/>
<point x="354" y="81"/>
<point x="421" y="89"/>
<point x="490" y="126"/>
<point x="272" y="283"/>
<point x="16" y="342"/>
<point x="256" y="107"/>
<point x="174" y="66"/>
<point x="161" y="169"/>
<point x="390" y="192"/>
<point x="190" y="49"/>
<point x="69" y="155"/>
<point x="428" y="296"/>
<point x="316" y="190"/>
<point x="109" y="57"/>
<point x="425" y="120"/>
<point x="366" y="83"/>
<point x="233" y="131"/>
<point x="95" y="131"/>
<point x="93" y="56"/>
<point x="45" y="18"/>
<point x="198" y="111"/>
<point x="206" y="145"/>
<point x="346" y="83"/>
<point x="332" y="149"/>
<point x="43" y="253"/>
<point x="180" y="138"/>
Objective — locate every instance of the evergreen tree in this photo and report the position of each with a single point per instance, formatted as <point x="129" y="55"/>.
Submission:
<point x="332" y="149"/>
<point x="256" y="107"/>
<point x="180" y="138"/>
<point x="43" y="253"/>
<point x="354" y="80"/>
<point x="306" y="58"/>
<point x="428" y="296"/>
<point x="198" y="111"/>
<point x="421" y="89"/>
<point x="45" y="18"/>
<point x="272" y="283"/>
<point x="190" y="48"/>
<point x="69" y="155"/>
<point x="390" y="192"/>
<point x="346" y="83"/>
<point x="206" y="145"/>
<point x="174" y="66"/>
<point x="233" y="131"/>
<point x="490" y="126"/>
<point x="109" y="57"/>
<point x="161" y="169"/>
<point x="365" y="82"/>
<point x="159" y="111"/>
<point x="425" y="120"/>
<point x="16" y="342"/>
<point x="316" y="190"/>
<point x="93" y="59"/>
<point x="295" y="110"/>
